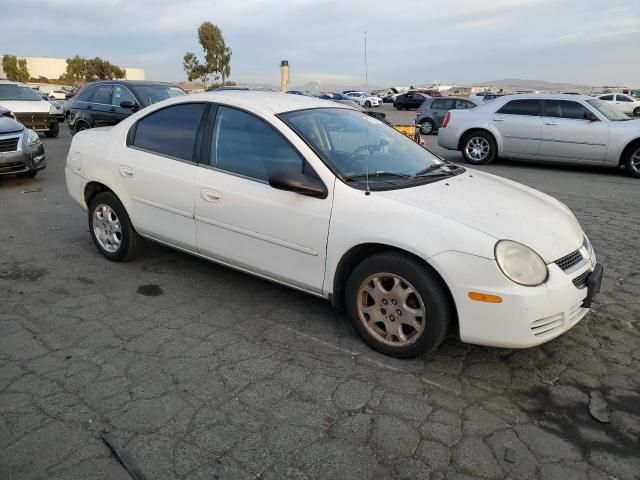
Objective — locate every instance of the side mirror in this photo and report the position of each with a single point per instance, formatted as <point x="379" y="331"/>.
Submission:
<point x="130" y="105"/>
<point x="298" y="183"/>
<point x="590" y="116"/>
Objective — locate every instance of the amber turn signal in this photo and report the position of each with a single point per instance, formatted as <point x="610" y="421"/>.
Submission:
<point x="484" y="297"/>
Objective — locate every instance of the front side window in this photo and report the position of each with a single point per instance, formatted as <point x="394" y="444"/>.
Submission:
<point x="150" y="94"/>
<point x="121" y="94"/>
<point x="521" y="107"/>
<point x="607" y="98"/>
<point x="464" y="105"/>
<point x="564" y="109"/>
<point x="608" y="110"/>
<point x="102" y="94"/>
<point x="170" y="131"/>
<point x="246" y="145"/>
<point x="363" y="150"/>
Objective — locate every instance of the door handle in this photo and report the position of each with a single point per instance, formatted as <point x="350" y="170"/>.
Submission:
<point x="112" y="109"/>
<point x="550" y="123"/>
<point x="89" y="107"/>
<point x="126" y="172"/>
<point x="498" y="119"/>
<point x="210" y="195"/>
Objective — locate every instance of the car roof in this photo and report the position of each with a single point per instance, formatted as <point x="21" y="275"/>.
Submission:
<point x="132" y="83"/>
<point x="268" y="103"/>
<point x="14" y="83"/>
<point x="544" y="96"/>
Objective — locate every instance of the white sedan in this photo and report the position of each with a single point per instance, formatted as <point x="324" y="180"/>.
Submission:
<point x="365" y="99"/>
<point x="625" y="103"/>
<point x="330" y="201"/>
<point x="553" y="128"/>
<point x="58" y="94"/>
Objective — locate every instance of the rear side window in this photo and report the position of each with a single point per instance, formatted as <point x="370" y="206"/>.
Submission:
<point x="564" y="109"/>
<point x="464" y="105"/>
<point x="623" y="98"/>
<point x="102" y="95"/>
<point x="521" y="107"/>
<point x="248" y="146"/>
<point x="86" y="95"/>
<point x="442" y="104"/>
<point x="171" y="131"/>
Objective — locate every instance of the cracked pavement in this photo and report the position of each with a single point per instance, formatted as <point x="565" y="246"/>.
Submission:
<point x="202" y="372"/>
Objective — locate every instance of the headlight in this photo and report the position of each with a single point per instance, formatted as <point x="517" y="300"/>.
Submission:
<point x="32" y="137"/>
<point x="520" y="264"/>
<point x="53" y="110"/>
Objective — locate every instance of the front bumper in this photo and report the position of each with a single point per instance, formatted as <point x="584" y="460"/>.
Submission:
<point x="40" y="122"/>
<point x="26" y="159"/>
<point x="527" y="316"/>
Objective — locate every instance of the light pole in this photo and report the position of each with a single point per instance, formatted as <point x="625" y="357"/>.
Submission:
<point x="366" y="73"/>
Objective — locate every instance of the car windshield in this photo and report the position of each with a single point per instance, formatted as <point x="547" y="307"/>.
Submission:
<point x="612" y="113"/>
<point x="156" y="93"/>
<point x="10" y="91"/>
<point x="358" y="146"/>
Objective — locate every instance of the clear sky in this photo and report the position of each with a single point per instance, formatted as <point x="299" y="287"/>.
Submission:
<point x="409" y="42"/>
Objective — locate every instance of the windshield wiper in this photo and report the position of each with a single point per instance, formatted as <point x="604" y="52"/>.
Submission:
<point x="438" y="168"/>
<point x="380" y="173"/>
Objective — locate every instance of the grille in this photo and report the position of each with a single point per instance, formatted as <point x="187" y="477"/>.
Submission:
<point x="547" y="326"/>
<point x="571" y="260"/>
<point x="31" y="120"/>
<point x="9" y="144"/>
<point x="581" y="280"/>
<point x="13" y="167"/>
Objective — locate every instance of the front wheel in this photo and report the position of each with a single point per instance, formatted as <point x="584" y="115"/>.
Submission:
<point x="632" y="162"/>
<point x="54" y="130"/>
<point x="479" y="148"/>
<point x="367" y="104"/>
<point x="111" y="228"/>
<point x="398" y="306"/>
<point x="636" y="112"/>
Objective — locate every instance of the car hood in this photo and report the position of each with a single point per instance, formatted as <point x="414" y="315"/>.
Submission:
<point x="8" y="125"/>
<point x="26" y="106"/>
<point x="500" y="208"/>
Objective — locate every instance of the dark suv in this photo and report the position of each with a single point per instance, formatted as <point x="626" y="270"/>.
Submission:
<point x="108" y="102"/>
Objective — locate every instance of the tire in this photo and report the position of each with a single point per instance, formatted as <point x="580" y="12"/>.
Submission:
<point x="636" y="112"/>
<point x="106" y="213"/>
<point x="479" y="148"/>
<point x="54" y="130"/>
<point x="632" y="161"/>
<point x="428" y="295"/>
<point x="31" y="174"/>
<point x="367" y="104"/>
<point x="80" y="126"/>
<point x="427" y="127"/>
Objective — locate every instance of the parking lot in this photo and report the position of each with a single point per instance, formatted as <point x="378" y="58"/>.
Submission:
<point x="202" y="372"/>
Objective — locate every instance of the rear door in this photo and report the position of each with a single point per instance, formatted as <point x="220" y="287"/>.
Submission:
<point x="155" y="170"/>
<point x="568" y="136"/>
<point x="520" y="124"/>
<point x="439" y="108"/>
<point x="100" y="106"/>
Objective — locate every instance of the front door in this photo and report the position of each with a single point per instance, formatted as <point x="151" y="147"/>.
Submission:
<point x="244" y="222"/>
<point x="120" y="94"/>
<point x="155" y="171"/>
<point x="439" y="108"/>
<point x="520" y="124"/>
<point x="567" y="135"/>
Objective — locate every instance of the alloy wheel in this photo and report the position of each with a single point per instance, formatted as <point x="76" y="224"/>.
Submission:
<point x="635" y="161"/>
<point x="391" y="309"/>
<point x="107" y="228"/>
<point x="426" y="128"/>
<point x="477" y="148"/>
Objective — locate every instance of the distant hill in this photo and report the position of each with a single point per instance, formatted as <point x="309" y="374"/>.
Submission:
<point x="521" y="84"/>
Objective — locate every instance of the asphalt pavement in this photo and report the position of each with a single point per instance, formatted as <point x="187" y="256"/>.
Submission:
<point x="201" y="372"/>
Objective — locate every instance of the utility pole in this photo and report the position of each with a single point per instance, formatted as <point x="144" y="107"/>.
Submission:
<point x="366" y="72"/>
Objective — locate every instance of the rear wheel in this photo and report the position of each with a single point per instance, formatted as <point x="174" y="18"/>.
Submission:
<point x="632" y="162"/>
<point x="397" y="305"/>
<point x="111" y="228"/>
<point x="427" y="127"/>
<point x="80" y="126"/>
<point x="478" y="148"/>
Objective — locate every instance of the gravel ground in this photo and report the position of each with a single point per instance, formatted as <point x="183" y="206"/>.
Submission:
<point x="202" y="372"/>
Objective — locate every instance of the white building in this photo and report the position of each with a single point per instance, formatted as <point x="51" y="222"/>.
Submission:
<point x="53" y="68"/>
